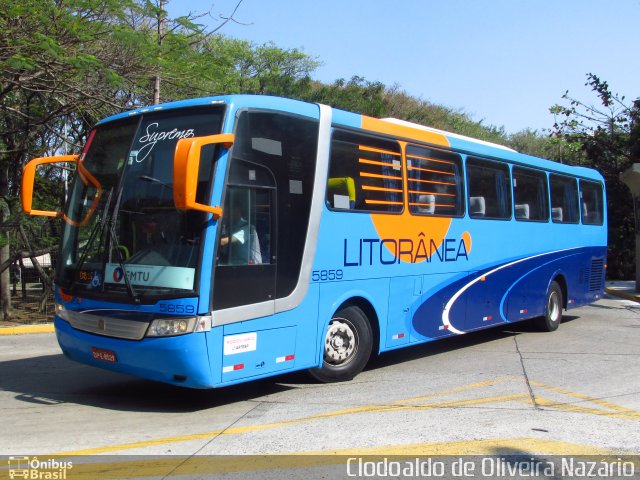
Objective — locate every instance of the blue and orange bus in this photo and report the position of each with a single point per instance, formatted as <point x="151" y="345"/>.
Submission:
<point x="214" y="241"/>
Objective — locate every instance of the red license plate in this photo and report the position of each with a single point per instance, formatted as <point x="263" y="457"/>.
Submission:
<point x="103" y="355"/>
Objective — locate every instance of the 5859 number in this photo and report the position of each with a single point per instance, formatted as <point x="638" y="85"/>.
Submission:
<point x="326" y="275"/>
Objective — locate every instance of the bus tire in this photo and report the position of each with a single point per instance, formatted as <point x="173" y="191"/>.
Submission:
<point x="553" y="309"/>
<point x="347" y="346"/>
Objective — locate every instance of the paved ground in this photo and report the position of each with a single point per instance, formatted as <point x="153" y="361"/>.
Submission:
<point x="513" y="390"/>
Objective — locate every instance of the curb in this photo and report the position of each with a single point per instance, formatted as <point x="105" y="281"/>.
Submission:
<point x="621" y="294"/>
<point x="25" y="329"/>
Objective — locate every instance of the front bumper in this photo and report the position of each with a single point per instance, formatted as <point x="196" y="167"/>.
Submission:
<point x="181" y="360"/>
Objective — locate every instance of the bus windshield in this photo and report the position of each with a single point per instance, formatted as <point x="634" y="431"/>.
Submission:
<point x="123" y="234"/>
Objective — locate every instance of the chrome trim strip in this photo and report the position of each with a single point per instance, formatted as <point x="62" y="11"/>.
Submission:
<point x="244" y="312"/>
<point x="107" y="326"/>
<point x="263" y="309"/>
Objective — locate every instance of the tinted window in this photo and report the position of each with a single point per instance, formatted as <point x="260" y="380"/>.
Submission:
<point x="591" y="203"/>
<point x="247" y="224"/>
<point x="530" y="195"/>
<point x="489" y="189"/>
<point x="365" y="174"/>
<point x="435" y="182"/>
<point x="564" y="199"/>
<point x="285" y="146"/>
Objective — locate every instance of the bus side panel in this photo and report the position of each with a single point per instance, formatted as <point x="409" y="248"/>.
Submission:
<point x="268" y="346"/>
<point x="403" y="294"/>
<point x="587" y="285"/>
<point x="427" y="321"/>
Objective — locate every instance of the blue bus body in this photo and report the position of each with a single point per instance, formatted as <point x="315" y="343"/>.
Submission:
<point x="417" y="278"/>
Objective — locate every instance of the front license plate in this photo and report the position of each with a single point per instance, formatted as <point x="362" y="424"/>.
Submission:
<point x="103" y="355"/>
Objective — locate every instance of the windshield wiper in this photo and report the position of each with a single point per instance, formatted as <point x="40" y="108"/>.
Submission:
<point x="98" y="227"/>
<point x="115" y="243"/>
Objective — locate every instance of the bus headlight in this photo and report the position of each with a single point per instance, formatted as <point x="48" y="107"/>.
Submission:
<point x="168" y="327"/>
<point x="61" y="312"/>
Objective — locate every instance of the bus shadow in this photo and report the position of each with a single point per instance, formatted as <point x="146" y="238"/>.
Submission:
<point x="450" y="344"/>
<point x="55" y="380"/>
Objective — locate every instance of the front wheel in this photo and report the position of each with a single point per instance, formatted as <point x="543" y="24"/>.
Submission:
<point x="347" y="346"/>
<point x="553" y="310"/>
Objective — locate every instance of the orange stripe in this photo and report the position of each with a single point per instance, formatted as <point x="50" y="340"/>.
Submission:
<point x="429" y="170"/>
<point x="428" y="159"/>
<point x="430" y="181"/>
<point x="382" y="202"/>
<point x="416" y="192"/>
<point x="375" y="175"/>
<point x="381" y="189"/>
<point x="375" y="162"/>
<point x="378" y="150"/>
<point x="431" y="204"/>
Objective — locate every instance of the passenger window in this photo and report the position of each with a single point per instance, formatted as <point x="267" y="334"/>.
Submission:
<point x="564" y="199"/>
<point x="365" y="174"/>
<point x="530" y="195"/>
<point x="591" y="199"/>
<point x="488" y="184"/>
<point x="434" y="182"/>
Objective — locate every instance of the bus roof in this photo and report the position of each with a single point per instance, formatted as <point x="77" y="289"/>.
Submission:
<point x="462" y="143"/>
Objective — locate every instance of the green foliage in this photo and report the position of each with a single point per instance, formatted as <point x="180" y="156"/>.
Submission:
<point x="405" y="107"/>
<point x="356" y="95"/>
<point x="608" y="137"/>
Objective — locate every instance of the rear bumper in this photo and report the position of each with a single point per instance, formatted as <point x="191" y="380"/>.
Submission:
<point x="182" y="360"/>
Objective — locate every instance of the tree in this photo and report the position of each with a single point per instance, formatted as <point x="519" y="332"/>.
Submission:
<point x="356" y="95"/>
<point x="65" y="65"/>
<point x="608" y="134"/>
<point x="551" y="147"/>
<point x="403" y="106"/>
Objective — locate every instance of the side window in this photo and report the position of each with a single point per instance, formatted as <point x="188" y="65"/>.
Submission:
<point x="488" y="184"/>
<point x="434" y="182"/>
<point x="564" y="199"/>
<point x="530" y="195"/>
<point x="284" y="146"/>
<point x="248" y="216"/>
<point x="365" y="174"/>
<point x="245" y="270"/>
<point x="591" y="205"/>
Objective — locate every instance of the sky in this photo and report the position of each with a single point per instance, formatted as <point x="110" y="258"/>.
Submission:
<point x="504" y="62"/>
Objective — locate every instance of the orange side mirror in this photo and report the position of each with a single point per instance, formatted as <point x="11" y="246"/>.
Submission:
<point x="186" y="164"/>
<point x="28" y="181"/>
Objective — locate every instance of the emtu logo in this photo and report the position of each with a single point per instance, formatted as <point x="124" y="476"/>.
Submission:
<point x="118" y="275"/>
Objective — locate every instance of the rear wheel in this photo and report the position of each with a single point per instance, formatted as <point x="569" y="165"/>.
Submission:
<point x="347" y="346"/>
<point x="553" y="310"/>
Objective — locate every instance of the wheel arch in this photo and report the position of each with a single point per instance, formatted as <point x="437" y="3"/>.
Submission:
<point x="372" y="316"/>
<point x="561" y="279"/>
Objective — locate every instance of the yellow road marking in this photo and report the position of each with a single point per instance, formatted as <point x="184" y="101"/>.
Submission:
<point x="296" y="421"/>
<point x="568" y="407"/>
<point x="486" y="383"/>
<point x="582" y="396"/>
<point x="616" y="411"/>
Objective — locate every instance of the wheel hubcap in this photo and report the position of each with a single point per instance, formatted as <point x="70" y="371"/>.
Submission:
<point x="340" y="342"/>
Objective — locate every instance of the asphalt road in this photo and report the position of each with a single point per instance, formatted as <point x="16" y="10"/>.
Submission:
<point x="506" y="390"/>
